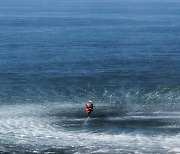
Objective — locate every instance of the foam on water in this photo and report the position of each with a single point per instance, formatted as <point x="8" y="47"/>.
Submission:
<point x="86" y="121"/>
<point x="124" y="55"/>
<point x="31" y="126"/>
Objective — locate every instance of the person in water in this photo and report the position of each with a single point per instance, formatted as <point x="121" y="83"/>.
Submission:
<point x="89" y="108"/>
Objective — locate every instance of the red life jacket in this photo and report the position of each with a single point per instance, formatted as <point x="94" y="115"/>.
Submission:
<point x="89" y="107"/>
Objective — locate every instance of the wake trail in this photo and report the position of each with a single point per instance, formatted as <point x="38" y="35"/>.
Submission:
<point x="86" y="121"/>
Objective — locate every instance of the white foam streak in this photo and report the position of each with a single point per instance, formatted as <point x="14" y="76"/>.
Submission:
<point x="22" y="125"/>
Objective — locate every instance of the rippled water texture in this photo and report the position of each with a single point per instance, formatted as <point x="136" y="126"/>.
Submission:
<point x="56" y="55"/>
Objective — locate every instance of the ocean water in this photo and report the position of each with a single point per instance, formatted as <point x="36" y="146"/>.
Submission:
<point x="122" y="54"/>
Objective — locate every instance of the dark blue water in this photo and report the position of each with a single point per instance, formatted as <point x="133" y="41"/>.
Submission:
<point x="56" y="55"/>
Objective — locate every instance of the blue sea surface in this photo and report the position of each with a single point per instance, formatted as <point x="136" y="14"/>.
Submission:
<point x="56" y="55"/>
